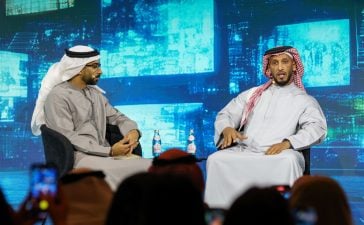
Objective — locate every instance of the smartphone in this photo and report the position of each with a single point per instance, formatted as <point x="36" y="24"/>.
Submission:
<point x="285" y="190"/>
<point x="43" y="182"/>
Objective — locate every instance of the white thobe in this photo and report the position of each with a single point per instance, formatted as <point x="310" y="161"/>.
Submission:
<point x="81" y="116"/>
<point x="281" y="113"/>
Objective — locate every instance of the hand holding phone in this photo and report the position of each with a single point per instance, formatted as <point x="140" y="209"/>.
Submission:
<point x="43" y="186"/>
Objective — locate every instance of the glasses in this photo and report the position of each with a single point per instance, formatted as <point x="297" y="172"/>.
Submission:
<point x="94" y="65"/>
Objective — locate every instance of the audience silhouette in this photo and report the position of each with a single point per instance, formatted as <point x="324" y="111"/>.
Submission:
<point x="163" y="199"/>
<point x="172" y="193"/>
<point x="259" y="206"/>
<point x="89" y="196"/>
<point x="176" y="161"/>
<point x="325" y="196"/>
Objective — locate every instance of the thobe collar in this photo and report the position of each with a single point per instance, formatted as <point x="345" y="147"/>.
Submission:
<point x="287" y="89"/>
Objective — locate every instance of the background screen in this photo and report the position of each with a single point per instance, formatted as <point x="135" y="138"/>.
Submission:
<point x="142" y="38"/>
<point x="324" y="47"/>
<point x="172" y="65"/>
<point x="18" y="7"/>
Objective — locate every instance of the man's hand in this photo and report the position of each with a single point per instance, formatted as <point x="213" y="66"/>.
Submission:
<point x="58" y="207"/>
<point x="133" y="137"/>
<point x="126" y="145"/>
<point x="278" y="148"/>
<point x="230" y="136"/>
<point x="121" y="147"/>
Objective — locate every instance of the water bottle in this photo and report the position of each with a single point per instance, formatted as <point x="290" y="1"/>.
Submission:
<point x="191" y="145"/>
<point x="156" y="144"/>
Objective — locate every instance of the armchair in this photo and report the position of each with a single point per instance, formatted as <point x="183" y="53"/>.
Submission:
<point x="60" y="151"/>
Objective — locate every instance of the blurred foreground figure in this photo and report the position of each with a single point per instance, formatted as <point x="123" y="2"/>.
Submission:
<point x="176" y="161"/>
<point x="323" y="195"/>
<point x="259" y="206"/>
<point x="150" y="199"/>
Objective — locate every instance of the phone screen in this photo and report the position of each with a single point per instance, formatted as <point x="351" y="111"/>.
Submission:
<point x="215" y="216"/>
<point x="43" y="180"/>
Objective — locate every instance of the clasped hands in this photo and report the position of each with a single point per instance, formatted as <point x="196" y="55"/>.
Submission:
<point x="126" y="145"/>
<point x="232" y="136"/>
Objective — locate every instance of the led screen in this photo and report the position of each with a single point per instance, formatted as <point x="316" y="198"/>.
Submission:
<point x="13" y="74"/>
<point x="172" y="120"/>
<point x="158" y="38"/>
<point x="18" y="7"/>
<point x="173" y="65"/>
<point x="13" y="82"/>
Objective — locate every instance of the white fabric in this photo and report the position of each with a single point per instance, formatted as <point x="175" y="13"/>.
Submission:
<point x="64" y="70"/>
<point x="231" y="172"/>
<point x="248" y="96"/>
<point x="281" y="113"/>
<point x="116" y="170"/>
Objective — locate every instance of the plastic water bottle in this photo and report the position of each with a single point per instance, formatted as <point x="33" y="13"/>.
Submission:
<point x="191" y="145"/>
<point x="156" y="144"/>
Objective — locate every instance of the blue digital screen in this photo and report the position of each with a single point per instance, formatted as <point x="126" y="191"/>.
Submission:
<point x="13" y="74"/>
<point x="173" y="121"/>
<point x="13" y="82"/>
<point x="158" y="38"/>
<point x="173" y="65"/>
<point x="18" y="7"/>
<point x="324" y="48"/>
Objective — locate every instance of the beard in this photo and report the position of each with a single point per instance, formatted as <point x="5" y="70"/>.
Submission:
<point x="91" y="80"/>
<point x="283" y="82"/>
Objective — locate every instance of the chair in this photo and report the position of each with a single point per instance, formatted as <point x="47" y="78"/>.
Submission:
<point x="307" y="156"/>
<point x="59" y="150"/>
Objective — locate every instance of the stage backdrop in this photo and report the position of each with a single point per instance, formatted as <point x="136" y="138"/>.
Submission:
<point x="172" y="65"/>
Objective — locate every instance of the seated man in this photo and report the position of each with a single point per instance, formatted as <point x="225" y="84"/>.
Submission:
<point x="262" y="130"/>
<point x="70" y="103"/>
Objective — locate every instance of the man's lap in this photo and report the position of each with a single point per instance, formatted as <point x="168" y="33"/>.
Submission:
<point x="235" y="155"/>
<point x="230" y="172"/>
<point x="116" y="170"/>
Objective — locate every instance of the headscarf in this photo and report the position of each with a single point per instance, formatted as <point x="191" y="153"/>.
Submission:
<point x="73" y="61"/>
<point x="87" y="193"/>
<point x="150" y="198"/>
<point x="297" y="77"/>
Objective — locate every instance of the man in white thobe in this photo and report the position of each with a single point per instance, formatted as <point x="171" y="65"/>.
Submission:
<point x="261" y="131"/>
<point x="70" y="102"/>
